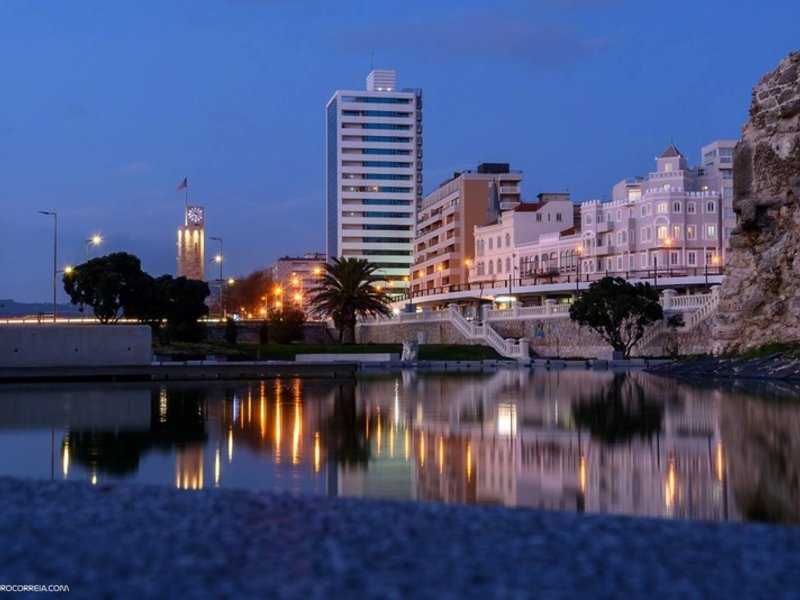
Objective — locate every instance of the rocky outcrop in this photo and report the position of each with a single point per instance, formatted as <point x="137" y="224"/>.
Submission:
<point x="760" y="299"/>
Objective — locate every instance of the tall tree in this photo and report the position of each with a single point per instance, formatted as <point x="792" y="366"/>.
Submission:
<point x="618" y="311"/>
<point x="106" y="284"/>
<point x="346" y="292"/>
<point x="249" y="294"/>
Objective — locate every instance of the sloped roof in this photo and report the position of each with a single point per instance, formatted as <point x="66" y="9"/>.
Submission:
<point x="671" y="152"/>
<point x="570" y="231"/>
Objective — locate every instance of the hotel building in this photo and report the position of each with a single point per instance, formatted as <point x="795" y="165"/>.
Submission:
<point x="677" y="220"/>
<point x="374" y="176"/>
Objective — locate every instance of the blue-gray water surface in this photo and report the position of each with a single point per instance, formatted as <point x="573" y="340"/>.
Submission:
<point x="579" y="440"/>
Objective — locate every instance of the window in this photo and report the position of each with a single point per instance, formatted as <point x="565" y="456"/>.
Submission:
<point x="499" y="266"/>
<point x="608" y="217"/>
<point x="676" y="207"/>
<point x="508" y="240"/>
<point x="645" y="234"/>
<point x="491" y="241"/>
<point x="691" y="258"/>
<point x="619" y="215"/>
<point x="508" y="265"/>
<point x="691" y="208"/>
<point x="643" y="260"/>
<point x="599" y="217"/>
<point x="662" y="208"/>
<point x="676" y="232"/>
<point x="727" y="193"/>
<point x="491" y="268"/>
<point x="691" y="232"/>
<point x="498" y="243"/>
<point x="674" y="258"/>
<point x="634" y="195"/>
<point x="661" y="232"/>
<point x="620" y="265"/>
<point x="538" y="217"/>
<point x="727" y="174"/>
<point x="711" y="232"/>
<point x="622" y="237"/>
<point x="588" y="219"/>
<point x="711" y="206"/>
<point x="558" y="216"/>
<point x="643" y="211"/>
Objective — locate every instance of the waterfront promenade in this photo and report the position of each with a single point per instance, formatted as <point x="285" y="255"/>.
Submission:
<point x="127" y="541"/>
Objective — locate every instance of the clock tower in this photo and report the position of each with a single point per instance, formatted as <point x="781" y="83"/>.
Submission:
<point x="191" y="244"/>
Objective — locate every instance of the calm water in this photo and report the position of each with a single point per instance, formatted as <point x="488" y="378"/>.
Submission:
<point x="593" y="441"/>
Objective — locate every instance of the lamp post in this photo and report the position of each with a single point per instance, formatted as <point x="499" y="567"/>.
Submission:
<point x="55" y="255"/>
<point x="218" y="259"/>
<point x="95" y="240"/>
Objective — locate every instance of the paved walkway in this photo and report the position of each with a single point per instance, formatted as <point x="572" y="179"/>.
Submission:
<point x="134" y="541"/>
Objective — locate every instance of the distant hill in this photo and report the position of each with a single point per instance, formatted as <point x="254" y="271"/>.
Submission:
<point x="9" y="308"/>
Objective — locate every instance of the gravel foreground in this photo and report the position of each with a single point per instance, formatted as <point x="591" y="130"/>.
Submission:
<point x="132" y="541"/>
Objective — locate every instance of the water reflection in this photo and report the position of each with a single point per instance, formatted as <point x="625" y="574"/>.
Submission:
<point x="593" y="441"/>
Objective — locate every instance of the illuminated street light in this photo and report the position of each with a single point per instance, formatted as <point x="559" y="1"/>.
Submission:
<point x="95" y="240"/>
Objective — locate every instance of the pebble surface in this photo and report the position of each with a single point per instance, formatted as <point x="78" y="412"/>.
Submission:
<point x="133" y="541"/>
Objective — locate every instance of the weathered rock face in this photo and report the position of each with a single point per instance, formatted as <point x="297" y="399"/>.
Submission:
<point x="760" y="299"/>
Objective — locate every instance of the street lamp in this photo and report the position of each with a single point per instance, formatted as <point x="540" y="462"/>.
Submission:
<point x="55" y="255"/>
<point x="95" y="240"/>
<point x="218" y="258"/>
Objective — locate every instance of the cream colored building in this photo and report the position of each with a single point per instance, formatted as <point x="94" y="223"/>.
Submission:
<point x="496" y="255"/>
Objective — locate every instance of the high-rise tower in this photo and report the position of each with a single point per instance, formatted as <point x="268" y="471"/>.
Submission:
<point x="374" y="175"/>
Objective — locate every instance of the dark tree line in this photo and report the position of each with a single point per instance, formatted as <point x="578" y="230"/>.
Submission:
<point x="115" y="287"/>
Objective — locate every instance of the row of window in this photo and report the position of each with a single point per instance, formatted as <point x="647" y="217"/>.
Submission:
<point x="480" y="244"/>
<point x="567" y="261"/>
<point x="661" y="208"/>
<point x="376" y="188"/>
<point x="663" y="233"/>
<point x="376" y="113"/>
<point x="376" y="100"/>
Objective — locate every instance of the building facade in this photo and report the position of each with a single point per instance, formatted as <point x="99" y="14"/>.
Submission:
<point x="496" y="244"/>
<point x="374" y="176"/>
<point x="191" y="244"/>
<point x="296" y="277"/>
<point x="676" y="221"/>
<point x="444" y="242"/>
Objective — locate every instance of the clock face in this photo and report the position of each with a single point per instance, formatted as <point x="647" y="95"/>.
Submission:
<point x="195" y="215"/>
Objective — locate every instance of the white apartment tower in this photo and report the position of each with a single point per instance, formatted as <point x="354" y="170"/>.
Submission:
<point x="374" y="175"/>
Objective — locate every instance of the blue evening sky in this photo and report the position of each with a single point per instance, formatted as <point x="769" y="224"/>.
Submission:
<point x="106" y="105"/>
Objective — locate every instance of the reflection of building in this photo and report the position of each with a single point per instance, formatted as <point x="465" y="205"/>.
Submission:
<point x="191" y="244"/>
<point x="189" y="467"/>
<point x="510" y="438"/>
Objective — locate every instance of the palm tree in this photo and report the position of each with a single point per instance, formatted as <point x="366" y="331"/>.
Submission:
<point x="346" y="292"/>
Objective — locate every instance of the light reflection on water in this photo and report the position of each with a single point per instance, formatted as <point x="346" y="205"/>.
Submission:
<point x="579" y="440"/>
